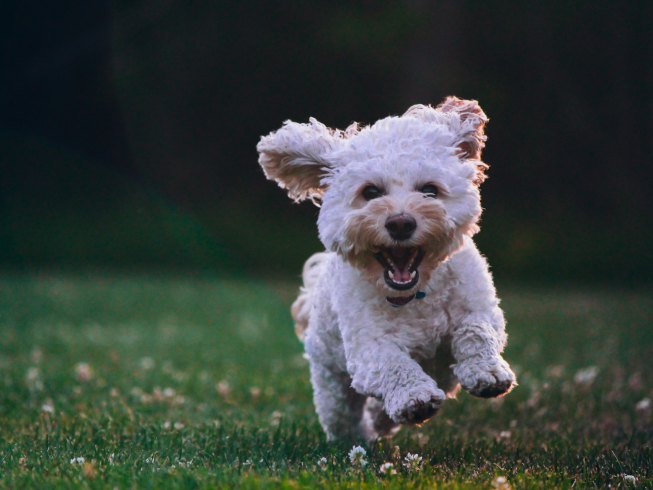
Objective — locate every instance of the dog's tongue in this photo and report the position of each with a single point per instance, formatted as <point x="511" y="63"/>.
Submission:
<point x="401" y="258"/>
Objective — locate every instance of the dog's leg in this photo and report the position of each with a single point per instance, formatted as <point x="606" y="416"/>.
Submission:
<point x="376" y="423"/>
<point x="339" y="407"/>
<point x="480" y="368"/>
<point x="382" y="369"/>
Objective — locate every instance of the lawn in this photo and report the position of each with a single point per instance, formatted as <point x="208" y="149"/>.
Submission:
<point x="173" y="381"/>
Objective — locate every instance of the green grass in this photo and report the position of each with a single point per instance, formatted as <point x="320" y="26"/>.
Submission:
<point x="200" y="383"/>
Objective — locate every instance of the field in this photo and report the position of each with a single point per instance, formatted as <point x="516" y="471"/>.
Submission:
<point x="171" y="381"/>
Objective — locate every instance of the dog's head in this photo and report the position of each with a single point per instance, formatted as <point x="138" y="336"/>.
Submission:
<point x="397" y="197"/>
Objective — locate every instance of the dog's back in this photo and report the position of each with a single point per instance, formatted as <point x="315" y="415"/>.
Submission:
<point x="301" y="308"/>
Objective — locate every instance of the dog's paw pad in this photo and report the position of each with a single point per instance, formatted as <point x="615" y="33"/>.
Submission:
<point x="492" y="390"/>
<point x="417" y="412"/>
<point x="421" y="412"/>
<point x="487" y="378"/>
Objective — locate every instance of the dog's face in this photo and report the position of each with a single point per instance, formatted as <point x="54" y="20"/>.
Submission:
<point x="397" y="197"/>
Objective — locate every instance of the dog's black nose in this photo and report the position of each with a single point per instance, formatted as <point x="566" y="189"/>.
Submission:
<point x="401" y="227"/>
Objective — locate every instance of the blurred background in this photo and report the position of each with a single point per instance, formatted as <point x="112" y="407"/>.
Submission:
<point x="128" y="130"/>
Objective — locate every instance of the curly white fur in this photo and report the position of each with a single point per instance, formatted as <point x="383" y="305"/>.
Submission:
<point x="375" y="366"/>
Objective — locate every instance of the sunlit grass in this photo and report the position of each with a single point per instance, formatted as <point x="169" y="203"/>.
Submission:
<point x="177" y="382"/>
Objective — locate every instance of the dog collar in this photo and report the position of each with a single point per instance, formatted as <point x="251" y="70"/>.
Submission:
<point x="401" y="301"/>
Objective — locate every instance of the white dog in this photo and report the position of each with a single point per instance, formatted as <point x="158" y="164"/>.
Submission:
<point x="401" y="309"/>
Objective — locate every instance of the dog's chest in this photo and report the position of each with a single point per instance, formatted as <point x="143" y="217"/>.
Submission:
<point x="420" y="326"/>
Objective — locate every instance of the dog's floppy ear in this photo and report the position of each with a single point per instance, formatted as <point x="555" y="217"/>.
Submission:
<point x="471" y="139"/>
<point x="296" y="156"/>
<point x="465" y="118"/>
<point x="467" y="121"/>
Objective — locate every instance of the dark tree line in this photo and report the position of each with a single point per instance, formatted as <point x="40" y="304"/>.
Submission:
<point x="174" y="95"/>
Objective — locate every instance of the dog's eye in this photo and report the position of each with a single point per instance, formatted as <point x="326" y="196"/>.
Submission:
<point x="372" y="192"/>
<point x="429" y="190"/>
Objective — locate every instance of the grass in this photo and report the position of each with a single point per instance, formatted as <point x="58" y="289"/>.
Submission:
<point x="178" y="382"/>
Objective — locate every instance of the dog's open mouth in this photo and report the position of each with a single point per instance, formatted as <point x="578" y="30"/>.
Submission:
<point x="400" y="266"/>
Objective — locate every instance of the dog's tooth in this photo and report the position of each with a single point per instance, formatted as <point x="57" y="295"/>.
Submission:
<point x="413" y="274"/>
<point x="391" y="274"/>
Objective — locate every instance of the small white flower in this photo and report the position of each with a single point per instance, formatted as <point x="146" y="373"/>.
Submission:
<point x="643" y="405"/>
<point x="322" y="463"/>
<point x="48" y="406"/>
<point x="79" y="460"/>
<point x="501" y="483"/>
<point x="630" y="479"/>
<point x="586" y="376"/>
<point x="33" y="379"/>
<point x="147" y="363"/>
<point x="388" y="469"/>
<point x="413" y="462"/>
<point x="178" y="425"/>
<point x="255" y="391"/>
<point x="275" y="418"/>
<point x="223" y="388"/>
<point x="183" y="463"/>
<point x="33" y="373"/>
<point x="247" y="462"/>
<point x="357" y="456"/>
<point x="169" y="392"/>
<point x="505" y="434"/>
<point x="84" y="372"/>
<point x="166" y="424"/>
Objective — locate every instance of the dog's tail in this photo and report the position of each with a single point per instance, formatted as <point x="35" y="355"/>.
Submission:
<point x="301" y="308"/>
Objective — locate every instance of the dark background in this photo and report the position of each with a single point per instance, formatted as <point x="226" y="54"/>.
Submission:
<point x="128" y="130"/>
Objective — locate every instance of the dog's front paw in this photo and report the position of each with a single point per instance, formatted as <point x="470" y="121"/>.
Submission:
<point x="414" y="408"/>
<point x="485" y="378"/>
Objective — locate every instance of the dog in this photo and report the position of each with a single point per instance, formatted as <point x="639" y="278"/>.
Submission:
<point x="401" y="309"/>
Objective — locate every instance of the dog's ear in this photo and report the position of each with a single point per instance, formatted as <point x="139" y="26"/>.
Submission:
<point x="467" y="121"/>
<point x="471" y="138"/>
<point x="296" y="156"/>
<point x="465" y="118"/>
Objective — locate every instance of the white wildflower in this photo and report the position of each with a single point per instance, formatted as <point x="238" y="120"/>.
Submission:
<point x="178" y="425"/>
<point x="505" y="434"/>
<point x="147" y="363"/>
<point x="643" y="405"/>
<point x="388" y="469"/>
<point x="83" y="372"/>
<point x="33" y="379"/>
<point x="166" y="424"/>
<point x="501" y="483"/>
<point x="322" y="463"/>
<point x="79" y="460"/>
<point x="556" y="371"/>
<point x="357" y="456"/>
<point x="223" y="388"/>
<point x="275" y="418"/>
<point x="255" y="391"/>
<point x="169" y="392"/>
<point x="413" y="462"/>
<point x="48" y="406"/>
<point x="36" y="355"/>
<point x="183" y="463"/>
<point x="630" y="479"/>
<point x="585" y="377"/>
<point x="247" y="462"/>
